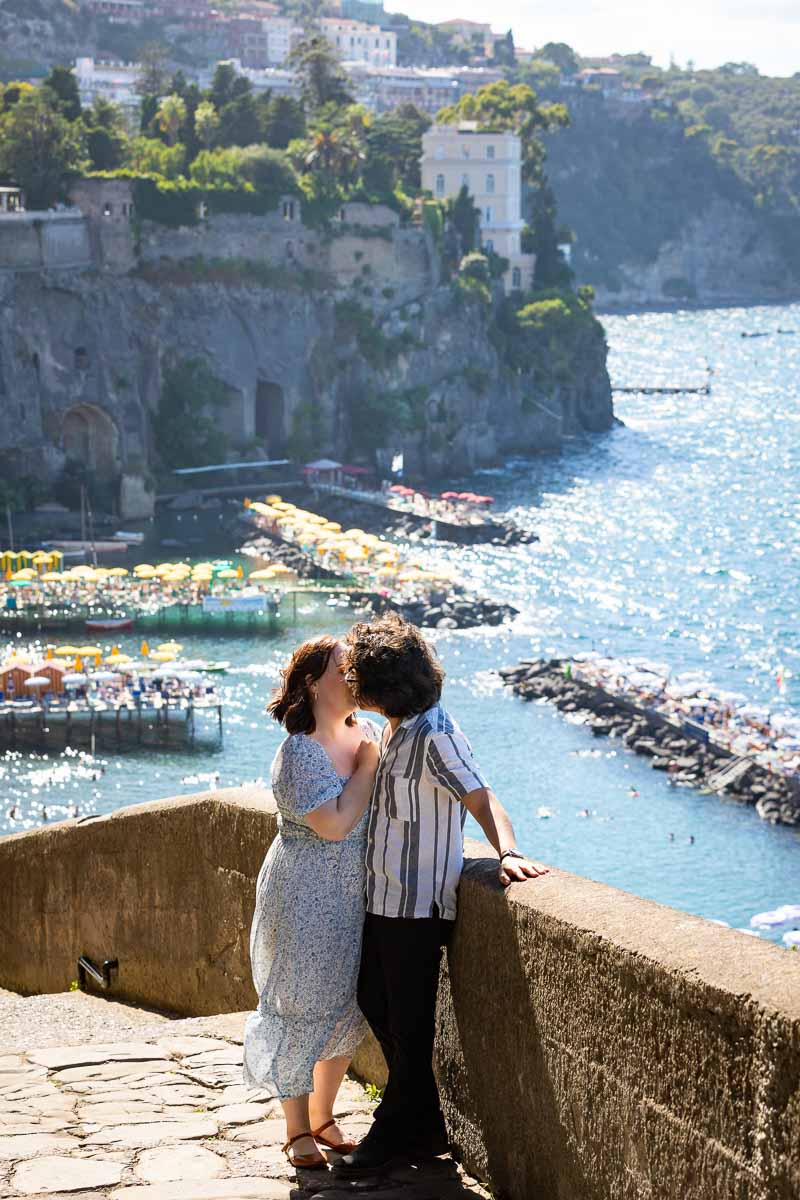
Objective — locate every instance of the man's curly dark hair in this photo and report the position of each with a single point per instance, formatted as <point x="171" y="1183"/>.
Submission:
<point x="390" y="667"/>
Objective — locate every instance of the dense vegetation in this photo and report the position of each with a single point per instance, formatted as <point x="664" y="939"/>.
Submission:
<point x="646" y="171"/>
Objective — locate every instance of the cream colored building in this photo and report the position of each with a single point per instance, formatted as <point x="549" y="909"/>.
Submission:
<point x="358" y="41"/>
<point x="490" y="166"/>
<point x="116" y="82"/>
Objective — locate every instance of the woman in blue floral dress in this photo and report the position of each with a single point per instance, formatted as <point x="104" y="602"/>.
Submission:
<point x="305" y="941"/>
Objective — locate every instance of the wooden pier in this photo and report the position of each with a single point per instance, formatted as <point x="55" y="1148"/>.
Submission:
<point x="705" y="390"/>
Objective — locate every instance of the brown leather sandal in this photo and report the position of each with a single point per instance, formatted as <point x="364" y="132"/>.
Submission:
<point x="305" y="1162"/>
<point x="337" y="1147"/>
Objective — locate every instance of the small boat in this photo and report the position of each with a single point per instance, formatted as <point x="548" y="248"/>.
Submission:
<point x="543" y="813"/>
<point x="132" y="539"/>
<point x="109" y="625"/>
<point x="216" y="668"/>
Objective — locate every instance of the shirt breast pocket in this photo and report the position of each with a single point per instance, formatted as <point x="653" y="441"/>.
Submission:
<point x="399" y="800"/>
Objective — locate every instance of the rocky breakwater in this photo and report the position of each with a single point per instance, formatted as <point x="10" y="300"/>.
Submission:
<point x="452" y="610"/>
<point x="686" y="759"/>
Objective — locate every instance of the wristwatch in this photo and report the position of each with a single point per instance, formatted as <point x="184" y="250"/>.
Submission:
<point x="511" y="854"/>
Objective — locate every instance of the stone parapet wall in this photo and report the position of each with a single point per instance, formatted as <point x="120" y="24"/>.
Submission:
<point x="33" y="241"/>
<point x="590" y="1044"/>
<point x="376" y="253"/>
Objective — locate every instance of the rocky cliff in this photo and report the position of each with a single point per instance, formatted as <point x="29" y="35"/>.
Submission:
<point x="371" y="355"/>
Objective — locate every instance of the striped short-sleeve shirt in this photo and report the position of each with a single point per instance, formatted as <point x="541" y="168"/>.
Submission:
<point x="415" y="846"/>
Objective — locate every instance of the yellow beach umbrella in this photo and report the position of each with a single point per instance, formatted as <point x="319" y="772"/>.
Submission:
<point x="145" y="573"/>
<point x="334" y="526"/>
<point x="274" y="499"/>
<point x="262" y="573"/>
<point x="89" y="651"/>
<point x="170" y="647"/>
<point x="280" y="569"/>
<point x="228" y="573"/>
<point x="144" y="649"/>
<point x="163" y="656"/>
<point x="284" y="506"/>
<point x="115" y="658"/>
<point x="137" y="570"/>
<point x="118" y="572"/>
<point x="67" y="651"/>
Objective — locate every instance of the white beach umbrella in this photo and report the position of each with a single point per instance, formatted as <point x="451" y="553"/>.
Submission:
<point x="792" y="938"/>
<point x="37" y="681"/>
<point x="74" y="678"/>
<point x="104" y="676"/>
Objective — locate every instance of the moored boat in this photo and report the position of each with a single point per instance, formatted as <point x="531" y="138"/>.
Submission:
<point x="109" y="625"/>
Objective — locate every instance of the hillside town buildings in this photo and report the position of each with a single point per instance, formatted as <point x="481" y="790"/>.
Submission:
<point x="358" y="41"/>
<point x="115" y="82"/>
<point x="489" y="165"/>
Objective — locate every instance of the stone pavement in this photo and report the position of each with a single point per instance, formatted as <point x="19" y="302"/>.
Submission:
<point x="166" y="1117"/>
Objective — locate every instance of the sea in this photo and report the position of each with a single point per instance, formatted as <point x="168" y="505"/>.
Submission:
<point x="674" y="536"/>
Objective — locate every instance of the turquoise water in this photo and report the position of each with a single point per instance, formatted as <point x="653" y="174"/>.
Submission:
<point x="675" y="536"/>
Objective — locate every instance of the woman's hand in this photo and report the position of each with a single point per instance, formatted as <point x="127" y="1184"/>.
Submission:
<point x="368" y="756"/>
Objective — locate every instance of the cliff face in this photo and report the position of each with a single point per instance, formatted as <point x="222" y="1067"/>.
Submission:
<point x="657" y="219"/>
<point x="310" y="365"/>
<point x="722" y="255"/>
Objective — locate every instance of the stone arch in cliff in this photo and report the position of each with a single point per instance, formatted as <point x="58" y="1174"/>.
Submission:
<point x="270" y="417"/>
<point x="91" y="437"/>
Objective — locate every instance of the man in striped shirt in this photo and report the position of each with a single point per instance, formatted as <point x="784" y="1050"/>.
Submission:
<point x="426" y="784"/>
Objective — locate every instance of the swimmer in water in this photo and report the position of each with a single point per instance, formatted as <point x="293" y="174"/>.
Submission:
<point x="44" y="813"/>
<point x="671" y="837"/>
<point x="632" y="791"/>
<point x="12" y="813"/>
<point x="690" y="839"/>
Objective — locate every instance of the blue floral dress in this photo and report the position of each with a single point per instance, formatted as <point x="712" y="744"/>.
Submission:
<point x="305" y="940"/>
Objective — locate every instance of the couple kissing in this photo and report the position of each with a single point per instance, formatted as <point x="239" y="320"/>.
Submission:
<point x="357" y="895"/>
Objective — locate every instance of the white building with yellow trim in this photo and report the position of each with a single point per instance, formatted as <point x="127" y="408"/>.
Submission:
<point x="490" y="166"/>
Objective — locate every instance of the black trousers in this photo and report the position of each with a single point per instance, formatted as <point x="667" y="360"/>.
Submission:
<point x="397" y="987"/>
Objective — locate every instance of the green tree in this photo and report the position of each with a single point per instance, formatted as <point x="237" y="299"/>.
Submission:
<point x="106" y="136"/>
<point x="322" y="77"/>
<point x="62" y="83"/>
<point x="171" y="115"/>
<point x="334" y="157"/>
<point x="394" y="139"/>
<point x="515" y="107"/>
<point x="40" y="149"/>
<point x="206" y="124"/>
<point x="551" y="269"/>
<point x="153" y="77"/>
<point x="465" y="218"/>
<point x="562" y="55"/>
<point x="14" y="91"/>
<point x="268" y="170"/>
<point x="239" y="123"/>
<point x="504" y="50"/>
<point x="185" y="427"/>
<point x="221" y="91"/>
<point x="150" y="156"/>
<point x="282" y="120"/>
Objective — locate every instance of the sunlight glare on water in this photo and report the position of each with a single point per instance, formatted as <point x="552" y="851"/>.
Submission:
<point x="674" y="536"/>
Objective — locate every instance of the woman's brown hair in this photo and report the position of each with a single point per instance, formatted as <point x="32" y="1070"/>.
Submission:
<point x="291" y="702"/>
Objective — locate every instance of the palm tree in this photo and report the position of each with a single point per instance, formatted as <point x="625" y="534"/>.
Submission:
<point x="335" y="154"/>
<point x="171" y="114"/>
